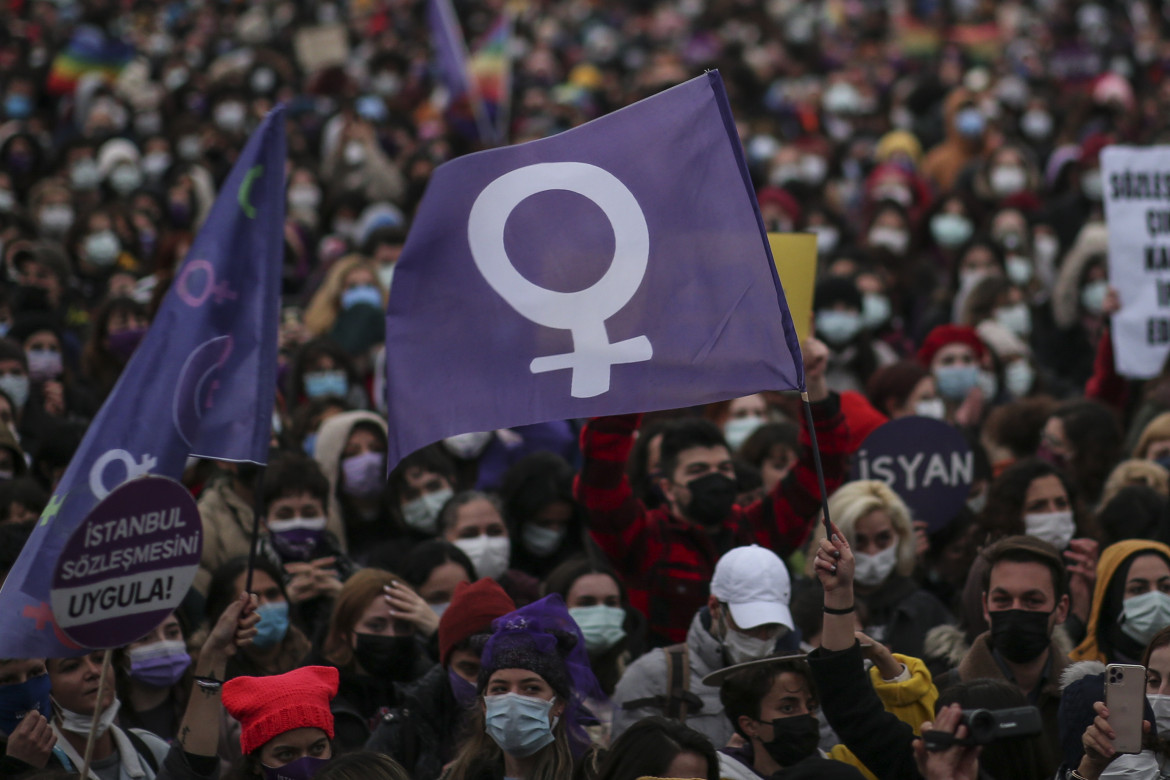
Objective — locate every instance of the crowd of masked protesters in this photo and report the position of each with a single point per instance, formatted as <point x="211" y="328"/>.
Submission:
<point x="635" y="596"/>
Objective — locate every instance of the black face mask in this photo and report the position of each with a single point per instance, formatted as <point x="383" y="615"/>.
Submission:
<point x="793" y="739"/>
<point x="388" y="657"/>
<point x="1020" y="635"/>
<point x="712" y="497"/>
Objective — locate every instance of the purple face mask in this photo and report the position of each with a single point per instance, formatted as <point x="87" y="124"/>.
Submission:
<point x="464" y="691"/>
<point x="302" y="769"/>
<point x="125" y="342"/>
<point x="159" y="665"/>
<point x="296" y="539"/>
<point x="364" y="474"/>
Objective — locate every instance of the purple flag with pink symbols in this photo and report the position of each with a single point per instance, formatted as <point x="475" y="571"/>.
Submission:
<point x="202" y="383"/>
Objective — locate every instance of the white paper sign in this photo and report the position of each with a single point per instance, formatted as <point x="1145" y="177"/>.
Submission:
<point x="1137" y="210"/>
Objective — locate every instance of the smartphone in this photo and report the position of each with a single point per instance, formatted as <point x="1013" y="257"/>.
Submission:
<point x="1125" y="696"/>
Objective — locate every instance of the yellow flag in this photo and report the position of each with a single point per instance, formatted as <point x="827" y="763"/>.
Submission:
<point x="795" y="255"/>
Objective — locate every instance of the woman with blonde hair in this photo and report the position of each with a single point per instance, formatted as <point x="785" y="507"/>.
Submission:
<point x="376" y="638"/>
<point x="1154" y="443"/>
<point x="1135" y="471"/>
<point x="350" y="291"/>
<point x="876" y="523"/>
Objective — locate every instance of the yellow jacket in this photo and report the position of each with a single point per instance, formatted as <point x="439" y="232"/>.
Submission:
<point x="912" y="701"/>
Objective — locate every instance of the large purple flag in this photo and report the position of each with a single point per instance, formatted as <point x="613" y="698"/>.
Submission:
<point x="620" y="266"/>
<point x="201" y="383"/>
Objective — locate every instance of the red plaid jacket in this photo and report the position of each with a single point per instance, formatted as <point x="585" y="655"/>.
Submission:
<point x="666" y="562"/>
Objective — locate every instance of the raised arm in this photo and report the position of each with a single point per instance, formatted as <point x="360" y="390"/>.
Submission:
<point x="195" y="755"/>
<point x="616" y="516"/>
<point x="782" y="519"/>
<point x="877" y="737"/>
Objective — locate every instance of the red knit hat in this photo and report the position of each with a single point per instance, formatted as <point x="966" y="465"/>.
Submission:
<point x="267" y="707"/>
<point x="949" y="334"/>
<point x="472" y="610"/>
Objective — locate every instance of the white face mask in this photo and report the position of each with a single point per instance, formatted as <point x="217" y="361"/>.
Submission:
<point x="1017" y="318"/>
<point x="738" y="429"/>
<point x="386" y="275"/>
<point x="742" y="648"/>
<point x="1160" y="704"/>
<point x="1007" y="180"/>
<point x="76" y="723"/>
<point x="870" y="570"/>
<point x="354" y="153"/>
<point x="1056" y="528"/>
<point x="1018" y="377"/>
<point x="468" y="446"/>
<point x="542" y="541"/>
<point x="1019" y="269"/>
<point x="934" y="408"/>
<point x="889" y="238"/>
<point x="489" y="554"/>
<point x="422" y="514"/>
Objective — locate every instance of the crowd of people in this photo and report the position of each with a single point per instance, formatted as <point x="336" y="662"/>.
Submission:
<point x="636" y="595"/>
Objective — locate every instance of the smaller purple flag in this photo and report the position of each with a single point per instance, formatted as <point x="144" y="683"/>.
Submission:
<point x="202" y="383"/>
<point x="620" y="266"/>
<point x="450" y="47"/>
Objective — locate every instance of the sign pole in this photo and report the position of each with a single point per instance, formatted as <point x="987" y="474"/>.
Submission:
<point x="257" y="508"/>
<point x="816" y="452"/>
<point x="97" y="713"/>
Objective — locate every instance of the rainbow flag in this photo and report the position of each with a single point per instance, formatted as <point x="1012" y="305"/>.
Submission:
<point x="90" y="50"/>
<point x="491" y="72"/>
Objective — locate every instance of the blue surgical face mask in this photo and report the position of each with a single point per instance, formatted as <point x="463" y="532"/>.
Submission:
<point x="950" y="230"/>
<point x="273" y="624"/>
<point x="19" y="699"/>
<point x="520" y="725"/>
<point x="422" y="514"/>
<point x="1093" y="296"/>
<point x="738" y="429"/>
<point x="322" y="383"/>
<point x="18" y="106"/>
<point x="366" y="294"/>
<point x="838" y="327"/>
<point x="1145" y="615"/>
<point x="875" y="310"/>
<point x="970" y="123"/>
<point x="310" y="444"/>
<point x="954" y="382"/>
<point x="16" y="386"/>
<point x="601" y="625"/>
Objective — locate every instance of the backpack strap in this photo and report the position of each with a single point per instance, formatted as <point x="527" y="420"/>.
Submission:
<point x="678" y="677"/>
<point x="678" y="701"/>
<point x="143" y="750"/>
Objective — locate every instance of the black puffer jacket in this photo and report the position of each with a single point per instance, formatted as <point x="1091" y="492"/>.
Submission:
<point x="423" y="732"/>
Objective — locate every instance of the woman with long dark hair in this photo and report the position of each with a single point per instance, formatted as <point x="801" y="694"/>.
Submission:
<point x="534" y="678"/>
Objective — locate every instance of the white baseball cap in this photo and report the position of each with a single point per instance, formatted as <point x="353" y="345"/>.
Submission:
<point x="754" y="584"/>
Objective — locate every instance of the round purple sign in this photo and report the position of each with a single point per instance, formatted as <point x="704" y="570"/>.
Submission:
<point x="129" y="563"/>
<point x="925" y="461"/>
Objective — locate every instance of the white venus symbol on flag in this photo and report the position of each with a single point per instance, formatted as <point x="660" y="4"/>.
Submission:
<point x="583" y="313"/>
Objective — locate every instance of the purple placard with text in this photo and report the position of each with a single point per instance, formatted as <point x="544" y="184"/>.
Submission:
<point x="925" y="461"/>
<point x="129" y="564"/>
